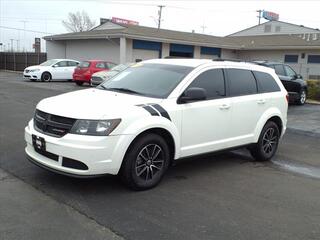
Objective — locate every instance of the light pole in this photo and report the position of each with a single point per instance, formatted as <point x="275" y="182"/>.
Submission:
<point x="24" y="33"/>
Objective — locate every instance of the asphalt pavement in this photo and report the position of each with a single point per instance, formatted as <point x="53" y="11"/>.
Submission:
<point x="218" y="196"/>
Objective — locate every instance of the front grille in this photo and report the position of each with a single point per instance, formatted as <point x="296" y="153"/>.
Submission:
<point x="52" y="125"/>
<point x="50" y="155"/>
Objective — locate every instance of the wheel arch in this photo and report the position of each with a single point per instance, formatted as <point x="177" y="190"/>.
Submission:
<point x="271" y="115"/>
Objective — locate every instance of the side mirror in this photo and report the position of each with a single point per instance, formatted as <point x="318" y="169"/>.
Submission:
<point x="192" y="95"/>
<point x="56" y="65"/>
<point x="298" y="76"/>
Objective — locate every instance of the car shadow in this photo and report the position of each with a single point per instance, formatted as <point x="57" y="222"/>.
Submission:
<point x="182" y="170"/>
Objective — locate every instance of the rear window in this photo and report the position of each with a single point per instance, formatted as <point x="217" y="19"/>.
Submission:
<point x="84" y="64"/>
<point x="101" y="65"/>
<point x="242" y="82"/>
<point x="266" y="83"/>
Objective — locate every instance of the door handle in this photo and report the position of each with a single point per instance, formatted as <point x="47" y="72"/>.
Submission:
<point x="261" y="101"/>
<point x="224" y="106"/>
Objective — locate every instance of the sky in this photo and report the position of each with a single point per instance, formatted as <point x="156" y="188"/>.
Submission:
<point x="219" y="18"/>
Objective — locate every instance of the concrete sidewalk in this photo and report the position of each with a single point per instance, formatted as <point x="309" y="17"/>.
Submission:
<point x="26" y="213"/>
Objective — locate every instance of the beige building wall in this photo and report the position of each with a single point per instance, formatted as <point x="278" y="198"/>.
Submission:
<point x="103" y="49"/>
<point x="55" y="49"/>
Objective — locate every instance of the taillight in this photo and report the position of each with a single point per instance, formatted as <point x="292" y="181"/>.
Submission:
<point x="287" y="97"/>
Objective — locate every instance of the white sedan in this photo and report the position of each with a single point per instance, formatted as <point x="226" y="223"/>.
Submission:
<point x="57" y="69"/>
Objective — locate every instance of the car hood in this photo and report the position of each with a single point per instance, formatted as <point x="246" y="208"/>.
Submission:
<point x="34" y="67"/>
<point x="94" y="104"/>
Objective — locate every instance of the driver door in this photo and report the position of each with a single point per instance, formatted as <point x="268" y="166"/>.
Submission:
<point x="205" y="124"/>
<point x="60" y="70"/>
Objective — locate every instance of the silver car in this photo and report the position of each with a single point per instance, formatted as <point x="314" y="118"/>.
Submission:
<point x="99" y="77"/>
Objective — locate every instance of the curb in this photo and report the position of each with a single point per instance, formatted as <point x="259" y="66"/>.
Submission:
<point x="10" y="71"/>
<point x="313" y="102"/>
<point x="303" y="132"/>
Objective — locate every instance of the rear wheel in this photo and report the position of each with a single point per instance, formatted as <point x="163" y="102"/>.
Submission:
<point x="46" y="77"/>
<point x="145" y="162"/>
<point x="267" y="144"/>
<point x="79" y="83"/>
<point x="302" y="97"/>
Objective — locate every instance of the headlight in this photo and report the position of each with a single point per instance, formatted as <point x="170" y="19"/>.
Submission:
<point x="34" y="70"/>
<point x="95" y="127"/>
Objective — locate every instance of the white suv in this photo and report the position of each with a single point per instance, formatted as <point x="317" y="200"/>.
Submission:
<point x="155" y="112"/>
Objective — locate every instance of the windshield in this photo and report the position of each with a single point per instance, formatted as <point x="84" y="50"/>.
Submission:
<point x="152" y="80"/>
<point x="49" y="62"/>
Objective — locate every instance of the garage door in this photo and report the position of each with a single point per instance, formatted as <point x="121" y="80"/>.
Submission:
<point x="140" y="54"/>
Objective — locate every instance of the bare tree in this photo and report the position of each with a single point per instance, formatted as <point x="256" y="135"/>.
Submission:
<point x="78" y="22"/>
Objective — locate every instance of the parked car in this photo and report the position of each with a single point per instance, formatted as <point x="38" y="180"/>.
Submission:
<point x="293" y="82"/>
<point x="99" y="77"/>
<point x="155" y="112"/>
<point x="57" y="69"/>
<point x="85" y="69"/>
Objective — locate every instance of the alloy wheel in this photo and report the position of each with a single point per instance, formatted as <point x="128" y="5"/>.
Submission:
<point x="269" y="141"/>
<point x="150" y="162"/>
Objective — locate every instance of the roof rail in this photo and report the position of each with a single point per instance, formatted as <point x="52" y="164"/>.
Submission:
<point x="232" y="60"/>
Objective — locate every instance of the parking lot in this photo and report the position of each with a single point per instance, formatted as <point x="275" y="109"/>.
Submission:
<point x="219" y="196"/>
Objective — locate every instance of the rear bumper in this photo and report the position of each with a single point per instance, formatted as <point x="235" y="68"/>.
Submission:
<point x="81" y="77"/>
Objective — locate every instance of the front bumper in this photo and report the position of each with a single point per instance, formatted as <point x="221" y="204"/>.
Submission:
<point x="102" y="155"/>
<point x="31" y="76"/>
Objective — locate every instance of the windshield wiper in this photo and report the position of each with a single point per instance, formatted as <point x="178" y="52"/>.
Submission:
<point x="101" y="86"/>
<point x="126" y="90"/>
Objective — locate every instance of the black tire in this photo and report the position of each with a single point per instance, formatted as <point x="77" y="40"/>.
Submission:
<point x="145" y="162"/>
<point x="46" y="77"/>
<point x="267" y="144"/>
<point x="302" y="97"/>
<point x="79" y="83"/>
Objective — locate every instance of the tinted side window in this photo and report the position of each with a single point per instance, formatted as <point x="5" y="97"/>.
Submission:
<point x="289" y="71"/>
<point x="63" y="64"/>
<point x="266" y="82"/>
<point x="72" y="64"/>
<point x="100" y="65"/>
<point x="279" y="70"/>
<point x="242" y="82"/>
<point x="212" y="81"/>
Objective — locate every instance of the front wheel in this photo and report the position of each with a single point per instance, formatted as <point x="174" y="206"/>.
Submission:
<point x="145" y="162"/>
<point x="267" y="144"/>
<point x="46" y="77"/>
<point x="302" y="97"/>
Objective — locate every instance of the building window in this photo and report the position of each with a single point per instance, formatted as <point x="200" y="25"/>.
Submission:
<point x="313" y="58"/>
<point x="267" y="28"/>
<point x="291" y="58"/>
<point x="278" y="28"/>
<point x="210" y="51"/>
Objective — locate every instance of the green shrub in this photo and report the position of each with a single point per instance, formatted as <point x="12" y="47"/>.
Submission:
<point x="314" y="89"/>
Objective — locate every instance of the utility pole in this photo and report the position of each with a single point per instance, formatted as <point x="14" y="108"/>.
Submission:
<point x="24" y="33"/>
<point x="203" y="28"/>
<point x="11" y="42"/>
<point x="159" y="15"/>
<point x="259" y="15"/>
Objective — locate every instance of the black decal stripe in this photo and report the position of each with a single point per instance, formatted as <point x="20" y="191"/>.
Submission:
<point x="151" y="110"/>
<point x="162" y="111"/>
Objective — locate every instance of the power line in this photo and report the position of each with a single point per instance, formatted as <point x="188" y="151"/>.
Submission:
<point x="27" y="30"/>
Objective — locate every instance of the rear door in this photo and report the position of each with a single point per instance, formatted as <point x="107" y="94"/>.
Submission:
<point x="206" y="124"/>
<point x="285" y="79"/>
<point x="247" y="105"/>
<point x="292" y="85"/>
<point x="71" y="66"/>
